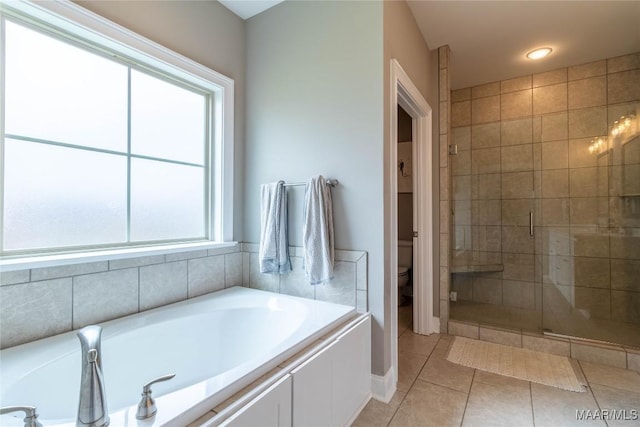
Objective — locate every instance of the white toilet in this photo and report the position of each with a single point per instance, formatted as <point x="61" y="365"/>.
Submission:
<point x="405" y="261"/>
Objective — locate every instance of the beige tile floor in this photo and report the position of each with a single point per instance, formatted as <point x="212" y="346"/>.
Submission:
<point x="432" y="391"/>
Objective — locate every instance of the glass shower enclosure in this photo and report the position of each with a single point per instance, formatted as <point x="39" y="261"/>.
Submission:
<point x="546" y="202"/>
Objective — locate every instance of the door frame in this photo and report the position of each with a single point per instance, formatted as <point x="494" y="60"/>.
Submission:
<point x="405" y="93"/>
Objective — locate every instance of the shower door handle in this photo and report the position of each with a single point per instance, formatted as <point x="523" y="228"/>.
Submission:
<point x="530" y="223"/>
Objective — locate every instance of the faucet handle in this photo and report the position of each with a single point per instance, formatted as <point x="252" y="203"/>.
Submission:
<point x="30" y="414"/>
<point x="147" y="406"/>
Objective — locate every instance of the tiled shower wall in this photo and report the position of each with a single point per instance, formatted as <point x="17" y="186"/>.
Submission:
<point x="523" y="146"/>
<point x="42" y="302"/>
<point x="445" y="207"/>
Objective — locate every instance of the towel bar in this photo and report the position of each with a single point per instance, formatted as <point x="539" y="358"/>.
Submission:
<point x="331" y="182"/>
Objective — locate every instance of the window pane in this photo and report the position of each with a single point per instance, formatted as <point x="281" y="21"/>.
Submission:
<point x="167" y="121"/>
<point x="56" y="197"/>
<point x="166" y="201"/>
<point x="58" y="92"/>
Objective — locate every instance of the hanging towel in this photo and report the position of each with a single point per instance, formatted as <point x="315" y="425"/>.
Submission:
<point x="317" y="231"/>
<point x="274" y="239"/>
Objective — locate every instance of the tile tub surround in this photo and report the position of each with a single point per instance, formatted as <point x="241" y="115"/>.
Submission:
<point x="435" y="391"/>
<point x="523" y="145"/>
<point x="42" y="302"/>
<point x="348" y="287"/>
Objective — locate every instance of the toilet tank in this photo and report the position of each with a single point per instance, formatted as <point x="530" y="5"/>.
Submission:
<point x="405" y="253"/>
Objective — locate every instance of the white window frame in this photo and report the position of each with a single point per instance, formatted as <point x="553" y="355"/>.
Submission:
<point x="70" y="18"/>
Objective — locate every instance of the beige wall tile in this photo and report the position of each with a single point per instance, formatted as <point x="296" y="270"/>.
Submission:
<point x="443" y="82"/>
<point x="585" y="93"/>
<point x="484" y="110"/>
<point x="579" y="155"/>
<point x="514" y="132"/>
<point x="625" y="306"/>
<point x="488" y="89"/>
<point x="517" y="240"/>
<point x="623" y="63"/>
<point x="516" y="211"/>
<point x="555" y="155"/>
<point x="461" y="136"/>
<point x="461" y="95"/>
<point x="550" y="99"/>
<point x="623" y="86"/>
<point x="593" y="303"/>
<point x="555" y="183"/>
<point x="550" y="77"/>
<point x="461" y="113"/>
<point x="518" y="294"/>
<point x="589" y="244"/>
<point x="501" y="336"/>
<point x="444" y="117"/>
<point x="516" y="185"/>
<point x="554" y="127"/>
<point x="587" y="211"/>
<point x="591" y="69"/>
<point x="592" y="272"/>
<point x="625" y="274"/>
<point x="515" y="104"/>
<point x="587" y="182"/>
<point x="589" y="122"/>
<point x="444" y="151"/>
<point x="463" y="329"/>
<point x="461" y="163"/>
<point x="444" y="184"/>
<point x="558" y="346"/>
<point x="487" y="290"/>
<point x="485" y="238"/>
<point x="486" y="160"/>
<point x="516" y="84"/>
<point x="486" y="212"/>
<point x="485" y="135"/>
<point x="516" y="158"/>
<point x="486" y="186"/>
<point x="555" y="211"/>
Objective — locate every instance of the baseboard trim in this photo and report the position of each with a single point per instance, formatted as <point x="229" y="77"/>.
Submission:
<point x="383" y="387"/>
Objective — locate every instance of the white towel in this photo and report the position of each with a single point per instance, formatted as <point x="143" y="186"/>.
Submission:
<point x="317" y="231"/>
<point x="274" y="239"/>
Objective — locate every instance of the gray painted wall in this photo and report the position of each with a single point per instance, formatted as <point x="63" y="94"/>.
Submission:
<point x="314" y="106"/>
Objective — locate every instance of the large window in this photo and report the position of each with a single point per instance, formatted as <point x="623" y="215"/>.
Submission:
<point x="100" y="149"/>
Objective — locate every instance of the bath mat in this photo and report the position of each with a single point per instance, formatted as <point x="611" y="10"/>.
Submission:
<point x="521" y="363"/>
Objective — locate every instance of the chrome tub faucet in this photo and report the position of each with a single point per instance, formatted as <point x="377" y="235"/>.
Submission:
<point x="92" y="406"/>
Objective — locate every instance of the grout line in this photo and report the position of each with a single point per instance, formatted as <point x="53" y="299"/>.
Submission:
<point x="533" y="412"/>
<point x="464" y="412"/>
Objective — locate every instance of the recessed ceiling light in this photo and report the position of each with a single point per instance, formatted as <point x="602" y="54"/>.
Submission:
<point x="539" y="53"/>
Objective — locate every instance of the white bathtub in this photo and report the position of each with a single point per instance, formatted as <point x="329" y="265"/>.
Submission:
<point x="216" y="344"/>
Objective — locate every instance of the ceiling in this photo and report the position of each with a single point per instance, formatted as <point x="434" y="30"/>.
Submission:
<point x="489" y="39"/>
<point x="245" y="9"/>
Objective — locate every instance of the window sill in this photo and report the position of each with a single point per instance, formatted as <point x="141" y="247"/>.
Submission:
<point x="24" y="263"/>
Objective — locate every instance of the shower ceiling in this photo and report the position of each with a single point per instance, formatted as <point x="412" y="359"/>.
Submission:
<point x="489" y="39"/>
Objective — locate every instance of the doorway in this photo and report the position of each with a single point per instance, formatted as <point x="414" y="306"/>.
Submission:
<point x="405" y="94"/>
<point x="405" y="169"/>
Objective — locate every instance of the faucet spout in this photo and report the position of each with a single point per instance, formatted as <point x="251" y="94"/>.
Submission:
<point x="92" y="406"/>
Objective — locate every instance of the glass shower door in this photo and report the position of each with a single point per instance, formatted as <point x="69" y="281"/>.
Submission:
<point x="588" y="224"/>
